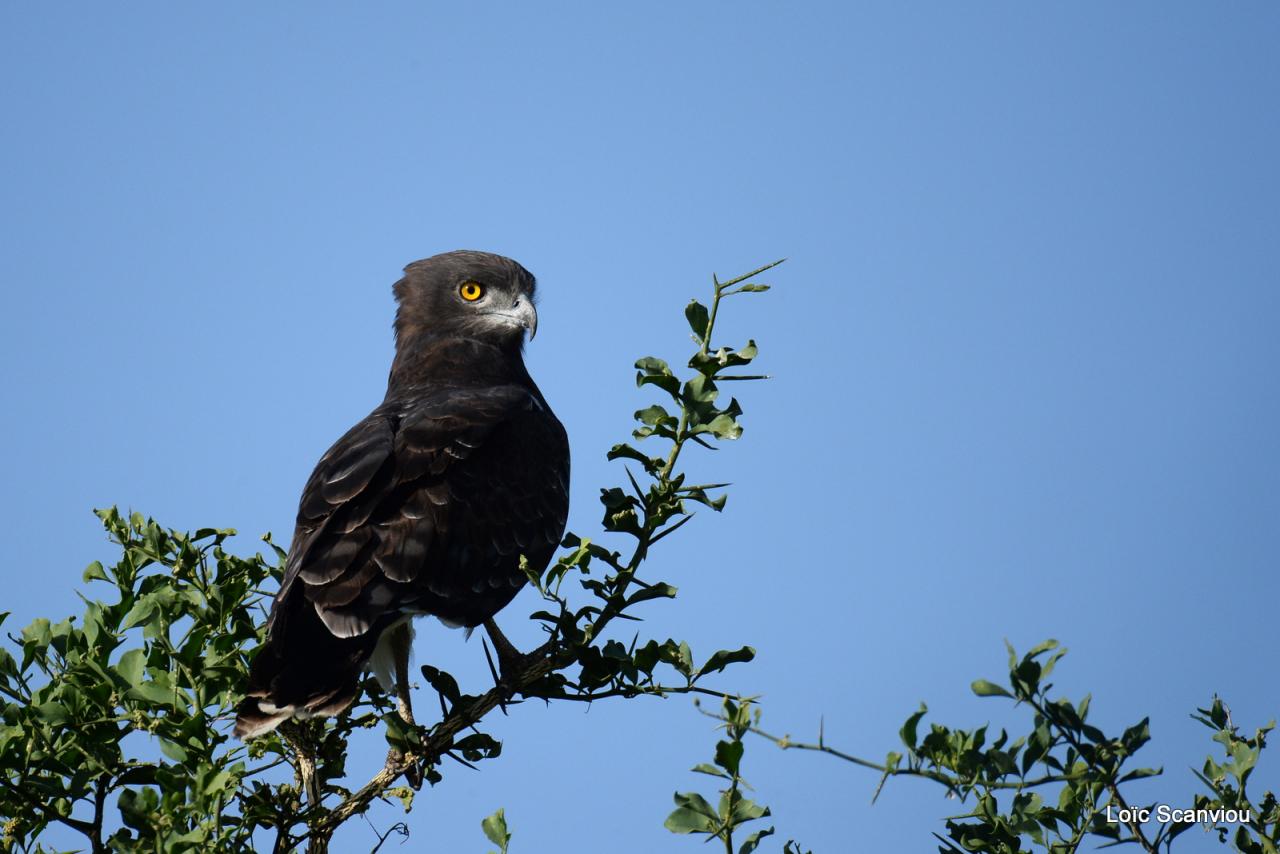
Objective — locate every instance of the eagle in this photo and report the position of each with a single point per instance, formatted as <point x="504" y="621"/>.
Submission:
<point x="425" y="507"/>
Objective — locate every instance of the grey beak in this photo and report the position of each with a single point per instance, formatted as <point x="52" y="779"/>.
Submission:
<point x="528" y="315"/>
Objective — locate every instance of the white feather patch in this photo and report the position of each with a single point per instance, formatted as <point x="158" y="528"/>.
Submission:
<point x="383" y="660"/>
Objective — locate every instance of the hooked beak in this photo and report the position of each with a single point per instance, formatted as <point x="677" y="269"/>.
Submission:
<point x="523" y="314"/>
<point x="531" y="318"/>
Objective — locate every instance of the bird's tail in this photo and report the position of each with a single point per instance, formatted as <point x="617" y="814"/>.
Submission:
<point x="302" y="670"/>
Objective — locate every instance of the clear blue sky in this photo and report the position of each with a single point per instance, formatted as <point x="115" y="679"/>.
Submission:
<point x="1025" y="349"/>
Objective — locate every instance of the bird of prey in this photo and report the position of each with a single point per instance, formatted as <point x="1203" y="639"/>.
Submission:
<point x="424" y="507"/>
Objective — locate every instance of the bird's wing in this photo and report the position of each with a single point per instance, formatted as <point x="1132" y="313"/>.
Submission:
<point x="508" y="497"/>
<point x="426" y="505"/>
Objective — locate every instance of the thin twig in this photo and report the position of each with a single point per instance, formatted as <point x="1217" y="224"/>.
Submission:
<point x="953" y="783"/>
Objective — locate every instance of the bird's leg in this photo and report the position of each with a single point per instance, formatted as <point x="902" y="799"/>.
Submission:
<point x="511" y="661"/>
<point x="304" y="759"/>
<point x="401" y="644"/>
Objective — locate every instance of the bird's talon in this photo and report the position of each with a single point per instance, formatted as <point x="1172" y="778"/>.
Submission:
<point x="412" y="773"/>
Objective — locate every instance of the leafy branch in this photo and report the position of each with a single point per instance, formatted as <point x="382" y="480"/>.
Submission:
<point x="1066" y="755"/>
<point x="694" y="814"/>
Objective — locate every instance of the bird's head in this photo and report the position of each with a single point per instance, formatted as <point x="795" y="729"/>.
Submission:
<point x="466" y="294"/>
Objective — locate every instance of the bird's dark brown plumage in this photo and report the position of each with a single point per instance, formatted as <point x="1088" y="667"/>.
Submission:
<point x="426" y="505"/>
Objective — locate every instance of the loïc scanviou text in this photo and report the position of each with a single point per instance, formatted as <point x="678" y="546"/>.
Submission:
<point x="1164" y="813"/>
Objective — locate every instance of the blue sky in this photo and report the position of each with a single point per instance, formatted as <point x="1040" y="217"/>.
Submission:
<point x="1024" y="349"/>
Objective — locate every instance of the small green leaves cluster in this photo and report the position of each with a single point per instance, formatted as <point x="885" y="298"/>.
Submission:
<point x="495" y="830"/>
<point x="117" y="724"/>
<point x="697" y="415"/>
<point x="160" y="666"/>
<point x="694" y="814"/>
<point x="1087" y="765"/>
<point x="1227" y="782"/>
<point x="1089" y="769"/>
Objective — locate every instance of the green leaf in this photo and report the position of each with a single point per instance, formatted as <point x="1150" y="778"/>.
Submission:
<point x="154" y="693"/>
<point x="138" y="775"/>
<point x="172" y="750"/>
<point x="94" y="571"/>
<point x="1140" y="773"/>
<point x="216" y="783"/>
<point x="35" y="640"/>
<point x="699" y="494"/>
<point x="1040" y="648"/>
<point x="729" y="756"/>
<point x="908" y="731"/>
<point x="141" y="612"/>
<point x="625" y="451"/>
<point x="684" y="659"/>
<point x="477" y="746"/>
<point x="54" y="714"/>
<point x="495" y="830"/>
<point x="399" y="734"/>
<point x="531" y="573"/>
<point x="653" y="365"/>
<point x="692" y="815"/>
<point x="654" y="416"/>
<point x="38" y="633"/>
<point x="983" y="688"/>
<point x="138" y="809"/>
<point x="405" y="794"/>
<point x="443" y="682"/>
<point x="753" y="841"/>
<point x="723" y="658"/>
<point x="1137" y="735"/>
<point x="656" y="372"/>
<point x="659" y="590"/>
<point x="708" y="768"/>
<point x="746" y="810"/>
<point x="130" y="666"/>
<point x="700" y="389"/>
<point x="724" y="427"/>
<point x="696" y="313"/>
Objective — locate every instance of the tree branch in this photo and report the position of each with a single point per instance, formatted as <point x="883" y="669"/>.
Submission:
<point x="76" y="824"/>
<point x="99" y="800"/>
<point x="953" y="783"/>
<point x="438" y="742"/>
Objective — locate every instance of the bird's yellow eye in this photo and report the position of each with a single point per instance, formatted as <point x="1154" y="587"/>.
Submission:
<point x="471" y="291"/>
